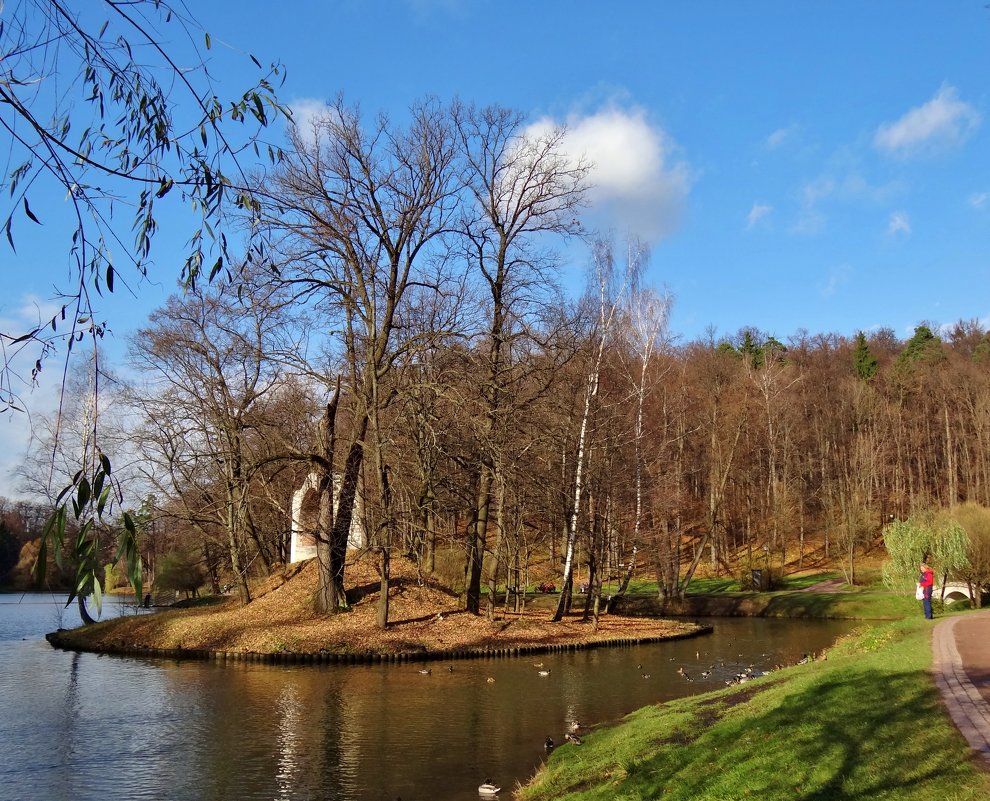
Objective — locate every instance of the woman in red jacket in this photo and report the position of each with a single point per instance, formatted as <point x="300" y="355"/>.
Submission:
<point x="926" y="581"/>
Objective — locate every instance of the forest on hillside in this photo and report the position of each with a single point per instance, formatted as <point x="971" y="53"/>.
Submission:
<point x="736" y="450"/>
<point x="403" y="344"/>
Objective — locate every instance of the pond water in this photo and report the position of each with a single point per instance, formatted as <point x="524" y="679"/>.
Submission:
<point x="87" y="727"/>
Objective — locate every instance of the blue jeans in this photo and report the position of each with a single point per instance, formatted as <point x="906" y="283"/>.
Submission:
<point x="927" y="604"/>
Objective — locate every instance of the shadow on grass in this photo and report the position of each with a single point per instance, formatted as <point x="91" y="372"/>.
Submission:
<point x="865" y="736"/>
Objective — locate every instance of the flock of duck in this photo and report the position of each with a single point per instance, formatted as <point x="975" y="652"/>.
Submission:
<point x="731" y="675"/>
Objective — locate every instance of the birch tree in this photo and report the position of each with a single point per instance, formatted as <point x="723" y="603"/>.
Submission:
<point x="649" y="313"/>
<point x="609" y="296"/>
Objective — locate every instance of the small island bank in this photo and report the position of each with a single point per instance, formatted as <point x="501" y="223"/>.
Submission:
<point x="280" y="626"/>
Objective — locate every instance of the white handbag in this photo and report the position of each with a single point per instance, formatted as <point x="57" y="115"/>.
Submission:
<point x="919" y="593"/>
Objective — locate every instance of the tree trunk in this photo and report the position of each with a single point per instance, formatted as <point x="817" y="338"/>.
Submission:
<point x="381" y="619"/>
<point x="497" y="551"/>
<point x="385" y="527"/>
<point x="564" y="602"/>
<point x="331" y="596"/>
<point x="476" y="542"/>
<point x="240" y="575"/>
<point x="326" y="445"/>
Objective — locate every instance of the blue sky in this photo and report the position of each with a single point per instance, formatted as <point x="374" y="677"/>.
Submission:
<point x="817" y="165"/>
<point x="795" y="165"/>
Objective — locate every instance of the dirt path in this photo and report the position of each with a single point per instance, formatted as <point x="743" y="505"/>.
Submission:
<point x="832" y="585"/>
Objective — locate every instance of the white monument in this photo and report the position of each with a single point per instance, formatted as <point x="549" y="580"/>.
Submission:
<point x="305" y="517"/>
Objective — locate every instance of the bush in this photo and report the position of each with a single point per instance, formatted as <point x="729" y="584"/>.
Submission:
<point x="180" y="571"/>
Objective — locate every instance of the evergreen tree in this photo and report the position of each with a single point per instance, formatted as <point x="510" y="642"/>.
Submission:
<point x="922" y="346"/>
<point x="864" y="362"/>
<point x="751" y="350"/>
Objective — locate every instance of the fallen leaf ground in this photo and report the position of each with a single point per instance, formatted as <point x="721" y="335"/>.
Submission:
<point x="423" y="616"/>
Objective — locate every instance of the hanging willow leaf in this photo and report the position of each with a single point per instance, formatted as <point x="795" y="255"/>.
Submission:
<point x="97" y="595"/>
<point x="29" y="213"/>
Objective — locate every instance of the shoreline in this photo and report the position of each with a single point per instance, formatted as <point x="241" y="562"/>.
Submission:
<point x="786" y="735"/>
<point x="281" y="625"/>
<point x="70" y="640"/>
<point x="427" y="623"/>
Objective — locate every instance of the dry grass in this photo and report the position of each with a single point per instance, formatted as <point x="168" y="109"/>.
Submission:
<point x="424" y="616"/>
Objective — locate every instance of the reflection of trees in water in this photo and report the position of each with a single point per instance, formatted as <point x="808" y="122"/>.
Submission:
<point x="71" y="731"/>
<point x="277" y="733"/>
<point x="240" y="734"/>
<point x="335" y="766"/>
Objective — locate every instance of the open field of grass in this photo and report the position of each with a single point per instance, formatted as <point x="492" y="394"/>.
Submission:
<point x="864" y="724"/>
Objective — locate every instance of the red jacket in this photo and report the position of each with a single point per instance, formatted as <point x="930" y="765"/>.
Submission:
<point x="927" y="580"/>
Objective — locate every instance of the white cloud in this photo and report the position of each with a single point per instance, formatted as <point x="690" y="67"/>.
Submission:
<point x="830" y="191"/>
<point x="944" y="121"/>
<point x="305" y="113"/>
<point x="811" y="220"/>
<point x="979" y="200"/>
<point x="781" y="136"/>
<point x="898" y="223"/>
<point x="809" y="223"/>
<point x="837" y="278"/>
<point x="636" y="184"/>
<point x="758" y="212"/>
<point x="815" y="191"/>
<point x="30" y="313"/>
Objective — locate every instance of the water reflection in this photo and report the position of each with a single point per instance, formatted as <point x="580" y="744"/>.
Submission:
<point x="193" y="730"/>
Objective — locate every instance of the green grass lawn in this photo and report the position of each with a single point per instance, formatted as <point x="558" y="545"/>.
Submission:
<point x="862" y="725"/>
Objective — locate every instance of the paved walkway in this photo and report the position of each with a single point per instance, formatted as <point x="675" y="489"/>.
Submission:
<point x="962" y="672"/>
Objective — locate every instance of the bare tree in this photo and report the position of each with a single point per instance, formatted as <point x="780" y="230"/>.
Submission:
<point x="522" y="185"/>
<point x="648" y="318"/>
<point x="357" y="210"/>
<point x="206" y="358"/>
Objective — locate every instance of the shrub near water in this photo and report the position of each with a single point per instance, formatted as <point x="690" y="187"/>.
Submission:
<point x="866" y="724"/>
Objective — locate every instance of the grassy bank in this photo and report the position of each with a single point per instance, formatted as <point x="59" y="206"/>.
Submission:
<point x="864" y="724"/>
<point x="860" y="605"/>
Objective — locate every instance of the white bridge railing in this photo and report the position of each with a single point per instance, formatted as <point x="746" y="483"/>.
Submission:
<point x="952" y="590"/>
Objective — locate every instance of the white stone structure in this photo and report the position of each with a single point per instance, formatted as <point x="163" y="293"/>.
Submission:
<point x="953" y="591"/>
<point x="305" y="516"/>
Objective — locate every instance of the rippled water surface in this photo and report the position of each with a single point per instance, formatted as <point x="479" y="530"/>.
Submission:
<point x="88" y="728"/>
